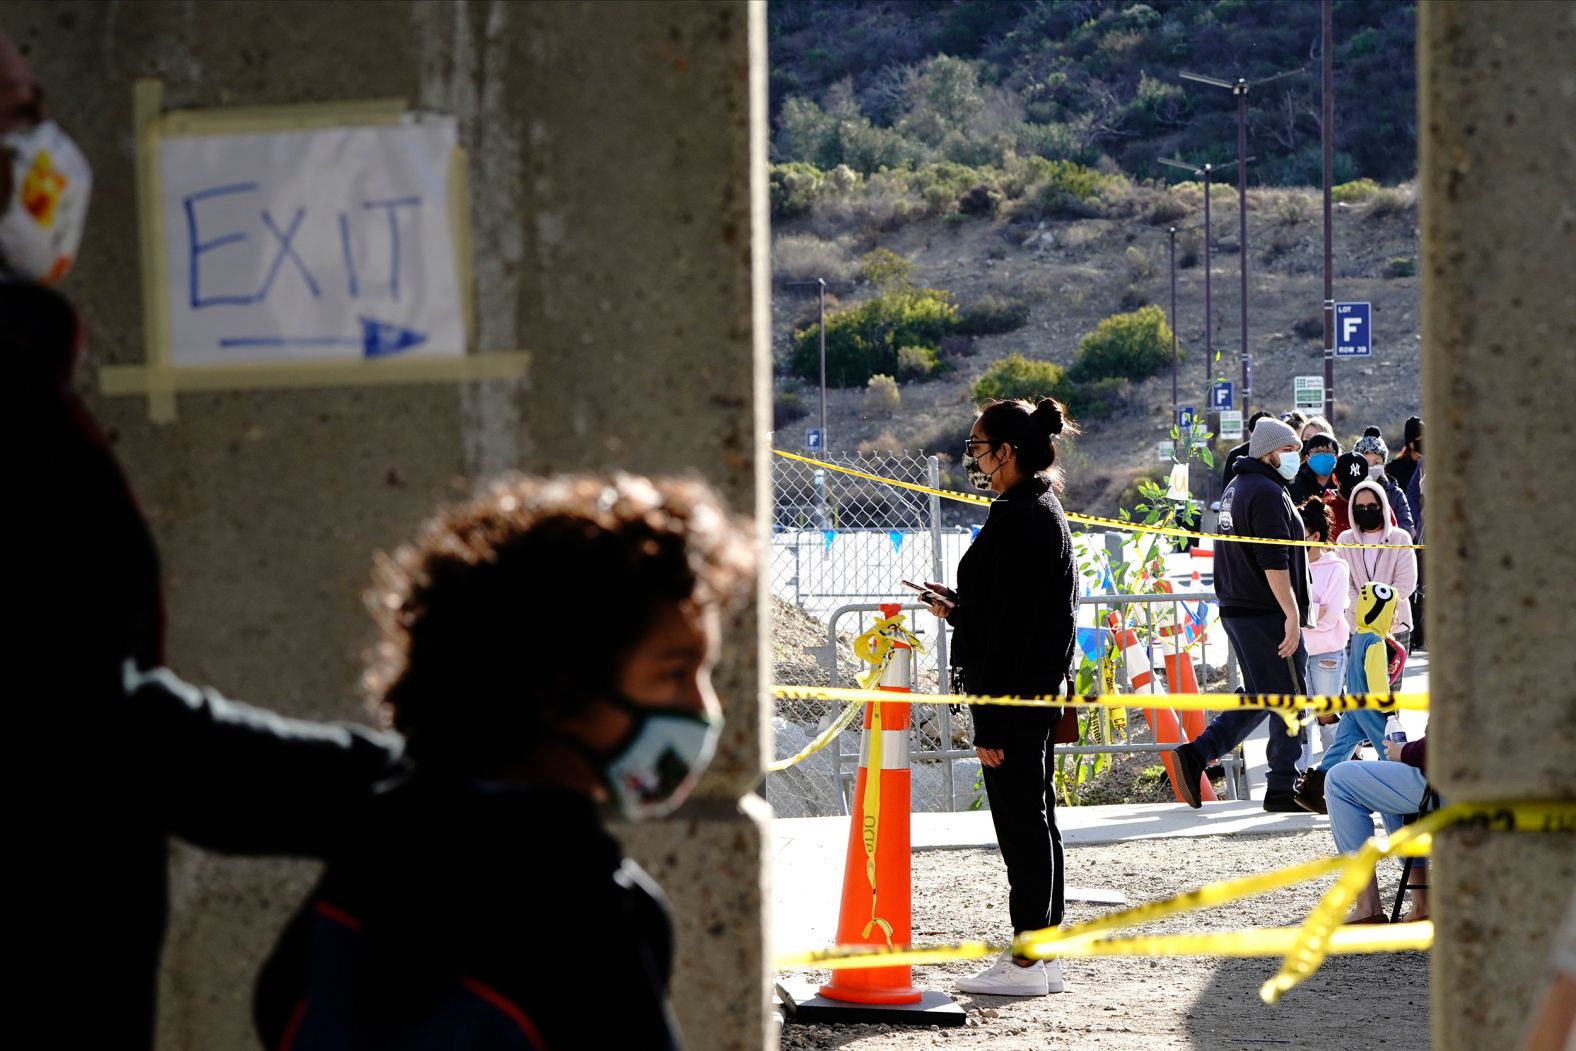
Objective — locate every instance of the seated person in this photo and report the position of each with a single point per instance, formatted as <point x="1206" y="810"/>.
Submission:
<point x="1356" y="791"/>
<point x="1373" y="665"/>
<point x="544" y="649"/>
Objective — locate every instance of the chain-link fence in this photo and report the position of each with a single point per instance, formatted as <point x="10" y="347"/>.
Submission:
<point x="840" y="546"/>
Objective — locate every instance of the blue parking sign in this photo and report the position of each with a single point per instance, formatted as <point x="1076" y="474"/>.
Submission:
<point x="1185" y="416"/>
<point x="1353" y="330"/>
<point x="813" y="440"/>
<point x="1221" y="396"/>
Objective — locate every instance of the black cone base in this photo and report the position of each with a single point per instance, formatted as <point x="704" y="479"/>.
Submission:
<point x="803" y="1005"/>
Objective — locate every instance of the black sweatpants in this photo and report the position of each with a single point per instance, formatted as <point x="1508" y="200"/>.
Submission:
<point x="1023" y="808"/>
<point x="1255" y="640"/>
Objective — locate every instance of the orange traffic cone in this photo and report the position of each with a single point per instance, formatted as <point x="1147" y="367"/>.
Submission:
<point x="876" y="908"/>
<point x="1182" y="679"/>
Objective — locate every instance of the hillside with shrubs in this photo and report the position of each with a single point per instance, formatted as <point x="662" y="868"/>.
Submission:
<point x="957" y="273"/>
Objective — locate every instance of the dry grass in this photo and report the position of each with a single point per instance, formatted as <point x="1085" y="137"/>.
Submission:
<point x="805" y="257"/>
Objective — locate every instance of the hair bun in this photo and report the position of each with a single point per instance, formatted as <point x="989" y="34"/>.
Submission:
<point x="1048" y="417"/>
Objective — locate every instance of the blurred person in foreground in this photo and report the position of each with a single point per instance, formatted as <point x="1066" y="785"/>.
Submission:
<point x="544" y="649"/>
<point x="121" y="755"/>
<point x="127" y="754"/>
<point x="1264" y="602"/>
<point x="1013" y="616"/>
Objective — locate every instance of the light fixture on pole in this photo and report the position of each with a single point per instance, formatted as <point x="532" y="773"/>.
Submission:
<point x="1204" y="172"/>
<point x="1239" y="88"/>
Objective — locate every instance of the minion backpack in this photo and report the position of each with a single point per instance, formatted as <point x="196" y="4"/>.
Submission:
<point x="1373" y="666"/>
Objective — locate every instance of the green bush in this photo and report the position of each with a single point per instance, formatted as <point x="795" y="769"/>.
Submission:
<point x="884" y="268"/>
<point x="992" y="314"/>
<point x="863" y="340"/>
<point x="1065" y="189"/>
<point x="787" y="406"/>
<point x="1351" y="192"/>
<point x="1018" y="377"/>
<point x="980" y="200"/>
<point x="794" y="188"/>
<point x="916" y="363"/>
<point x="881" y="396"/>
<point x="1400" y="266"/>
<point x="1134" y="345"/>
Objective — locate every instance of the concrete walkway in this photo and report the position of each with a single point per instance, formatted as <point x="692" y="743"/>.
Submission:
<point x="808" y="853"/>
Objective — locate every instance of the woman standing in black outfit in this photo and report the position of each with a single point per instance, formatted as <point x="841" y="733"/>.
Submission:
<point x="1013" y="624"/>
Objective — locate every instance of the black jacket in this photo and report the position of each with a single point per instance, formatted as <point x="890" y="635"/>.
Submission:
<point x="106" y="766"/>
<point x="471" y="905"/>
<point x="1229" y="472"/>
<point x="1013" y="625"/>
<point x="1256" y="504"/>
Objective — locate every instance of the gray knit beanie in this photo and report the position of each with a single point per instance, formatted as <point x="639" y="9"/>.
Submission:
<point x="1270" y="435"/>
<point x="1368" y="443"/>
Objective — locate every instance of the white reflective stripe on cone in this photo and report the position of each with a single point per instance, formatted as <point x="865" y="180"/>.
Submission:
<point x="894" y="750"/>
<point x="899" y="671"/>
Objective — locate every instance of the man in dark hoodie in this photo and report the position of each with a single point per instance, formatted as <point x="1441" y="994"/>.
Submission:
<point x="1239" y="451"/>
<point x="1263" y="593"/>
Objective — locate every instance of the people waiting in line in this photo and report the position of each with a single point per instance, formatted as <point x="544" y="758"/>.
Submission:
<point x="1393" y="563"/>
<point x="1013" y="615"/>
<point x="1393" y="790"/>
<point x="1372" y="449"/>
<point x="1264" y="602"/>
<point x="442" y="891"/>
<point x="1328" y="631"/>
<point x="1350" y="468"/>
<point x="1315" y="475"/>
<point x="1404" y="465"/>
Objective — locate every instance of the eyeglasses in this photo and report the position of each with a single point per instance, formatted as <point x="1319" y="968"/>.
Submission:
<point x="970" y="443"/>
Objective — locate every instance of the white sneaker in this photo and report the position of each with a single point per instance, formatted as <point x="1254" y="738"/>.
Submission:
<point x="1006" y="978"/>
<point x="1053" y="976"/>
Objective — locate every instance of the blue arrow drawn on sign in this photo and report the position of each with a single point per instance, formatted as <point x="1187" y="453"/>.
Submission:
<point x="378" y="339"/>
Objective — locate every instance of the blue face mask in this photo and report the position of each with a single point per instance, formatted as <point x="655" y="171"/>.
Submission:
<point x="1287" y="466"/>
<point x="1322" y="464"/>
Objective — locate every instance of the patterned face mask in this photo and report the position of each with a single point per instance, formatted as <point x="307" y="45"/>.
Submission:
<point x="653" y="770"/>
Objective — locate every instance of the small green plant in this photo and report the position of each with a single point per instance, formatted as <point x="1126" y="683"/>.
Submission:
<point x="881" y="396"/>
<point x="1134" y="345"/>
<point x="885" y="269"/>
<point x="1354" y="191"/>
<point x="1018" y="377"/>
<point x="1400" y="266"/>
<point x="916" y="363"/>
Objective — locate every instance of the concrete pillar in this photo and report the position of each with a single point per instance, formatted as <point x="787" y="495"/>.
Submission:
<point x="620" y="235"/>
<point x="1498" y="102"/>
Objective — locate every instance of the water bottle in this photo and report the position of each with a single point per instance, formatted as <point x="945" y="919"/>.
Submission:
<point x="1393" y="730"/>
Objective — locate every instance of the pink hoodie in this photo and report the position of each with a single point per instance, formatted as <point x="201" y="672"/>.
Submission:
<point x="1329" y="589"/>
<point x="1398" y="567"/>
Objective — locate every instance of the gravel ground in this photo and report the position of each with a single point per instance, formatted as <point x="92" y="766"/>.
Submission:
<point x="1136" y="1004"/>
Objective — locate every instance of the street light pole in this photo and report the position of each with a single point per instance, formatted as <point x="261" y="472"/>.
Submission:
<point x="1204" y="172"/>
<point x="1171" y="235"/>
<point x="1239" y="88"/>
<point x="1327" y="133"/>
<point x="821" y="324"/>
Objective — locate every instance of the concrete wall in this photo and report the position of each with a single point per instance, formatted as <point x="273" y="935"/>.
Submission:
<point x="1498" y="102"/>
<point x="617" y="202"/>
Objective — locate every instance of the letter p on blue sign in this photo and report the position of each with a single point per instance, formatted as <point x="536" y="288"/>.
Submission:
<point x="1353" y="330"/>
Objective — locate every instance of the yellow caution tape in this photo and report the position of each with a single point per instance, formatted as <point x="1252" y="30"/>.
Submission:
<point x="1262" y="941"/>
<point x="1095" y="520"/>
<point x="872" y="820"/>
<point x="878" y="645"/>
<point x="1304" y="947"/>
<point x="1314" y="937"/>
<point x="825" y="738"/>
<point x="1288" y="706"/>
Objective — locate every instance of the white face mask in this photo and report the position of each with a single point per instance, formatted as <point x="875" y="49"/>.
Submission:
<point x="1376" y="471"/>
<point x="41" y="224"/>
<point x="1288" y="466"/>
<point x="653" y="770"/>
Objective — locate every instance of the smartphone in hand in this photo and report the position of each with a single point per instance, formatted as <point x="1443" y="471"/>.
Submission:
<point x="928" y="595"/>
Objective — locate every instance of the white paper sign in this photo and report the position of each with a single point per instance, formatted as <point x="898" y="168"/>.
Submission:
<point x="1231" y="424"/>
<point x="333" y="244"/>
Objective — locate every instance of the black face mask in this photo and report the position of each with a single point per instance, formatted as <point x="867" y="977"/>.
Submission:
<point x="1417" y="446"/>
<point x="1368" y="519"/>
